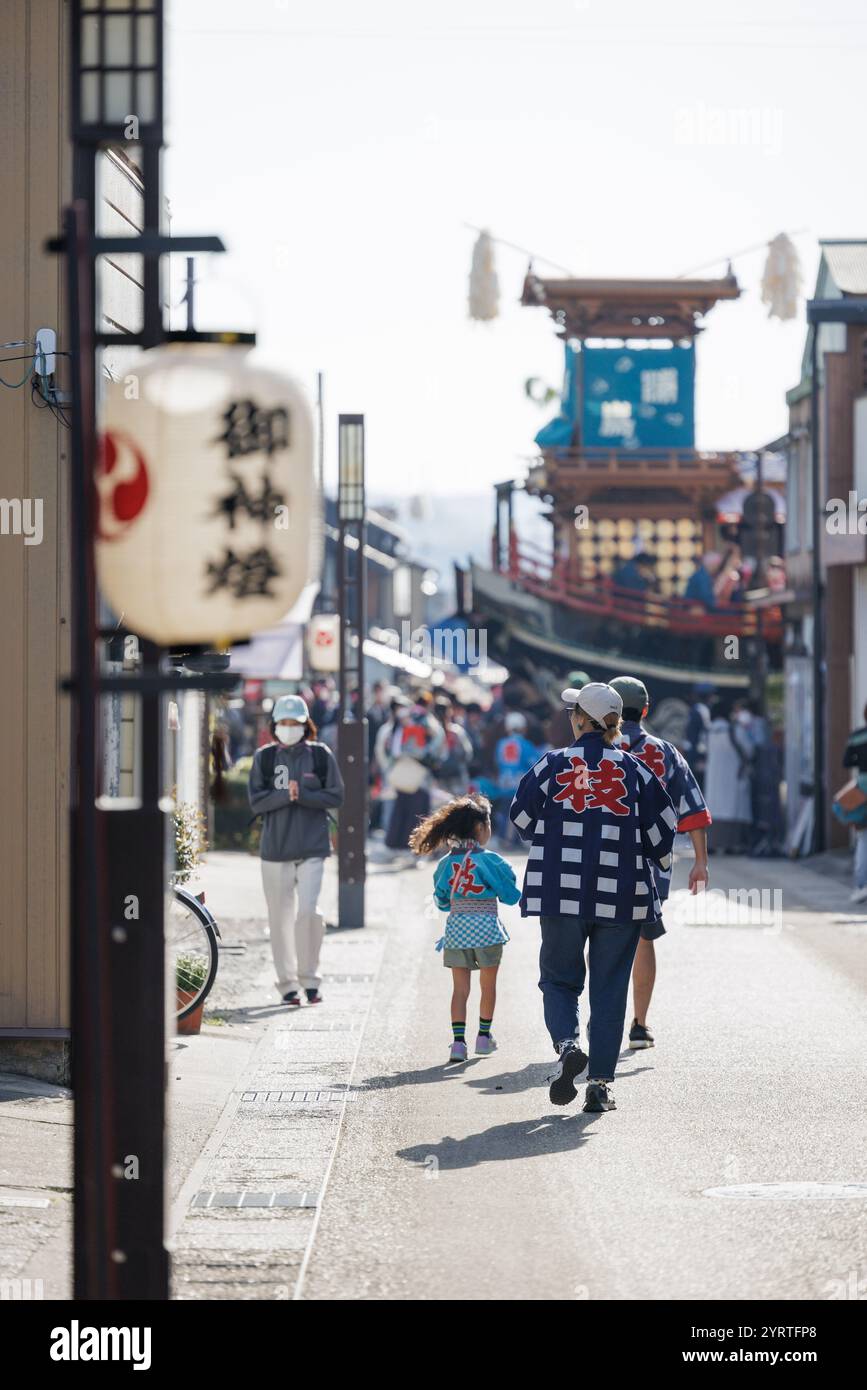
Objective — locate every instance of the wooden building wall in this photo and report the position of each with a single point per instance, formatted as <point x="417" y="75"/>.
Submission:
<point x="34" y="611"/>
<point x="35" y="753"/>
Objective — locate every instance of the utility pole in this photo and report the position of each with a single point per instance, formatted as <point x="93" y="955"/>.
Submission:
<point x="352" y="726"/>
<point x="118" y="851"/>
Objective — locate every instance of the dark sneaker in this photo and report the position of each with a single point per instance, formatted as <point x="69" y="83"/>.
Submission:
<point x="639" y="1037"/>
<point x="313" y="996"/>
<point x="293" y="999"/>
<point x="599" y="1097"/>
<point x="572" y="1062"/>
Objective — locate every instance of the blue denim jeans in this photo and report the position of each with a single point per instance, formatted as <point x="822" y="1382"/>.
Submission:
<point x="562" y="972"/>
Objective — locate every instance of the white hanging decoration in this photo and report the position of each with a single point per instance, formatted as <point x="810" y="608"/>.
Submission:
<point x="207" y="494"/>
<point x="781" y="281"/>
<point x="323" y="642"/>
<point x="484" y="298"/>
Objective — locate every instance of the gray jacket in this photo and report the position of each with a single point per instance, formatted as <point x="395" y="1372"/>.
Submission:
<point x="295" y="829"/>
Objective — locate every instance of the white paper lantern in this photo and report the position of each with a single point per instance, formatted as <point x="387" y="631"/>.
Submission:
<point x="208" y="512"/>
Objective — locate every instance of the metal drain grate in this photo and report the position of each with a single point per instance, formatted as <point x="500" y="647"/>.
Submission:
<point x="296" y="1096"/>
<point x="333" y="1027"/>
<point x="792" y="1191"/>
<point x="242" y="1200"/>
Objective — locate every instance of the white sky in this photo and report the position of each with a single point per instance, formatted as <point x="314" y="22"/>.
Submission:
<point x="338" y="147"/>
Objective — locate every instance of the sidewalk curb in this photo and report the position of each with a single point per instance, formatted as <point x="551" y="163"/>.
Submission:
<point x="191" y="1184"/>
<point x="298" y="1292"/>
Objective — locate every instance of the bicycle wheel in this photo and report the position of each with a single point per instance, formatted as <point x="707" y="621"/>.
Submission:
<point x="191" y="951"/>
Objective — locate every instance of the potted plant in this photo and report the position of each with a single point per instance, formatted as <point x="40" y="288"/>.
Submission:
<point x="190" y="841"/>
<point x="190" y="972"/>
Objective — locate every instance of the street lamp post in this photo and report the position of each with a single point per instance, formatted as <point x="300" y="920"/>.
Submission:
<point x="352" y="726"/>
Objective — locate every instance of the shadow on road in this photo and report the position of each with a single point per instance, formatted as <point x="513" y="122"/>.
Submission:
<point x="536" y="1138"/>
<point x="252" y="1013"/>
<point x="535" y="1074"/>
<point x="443" y="1071"/>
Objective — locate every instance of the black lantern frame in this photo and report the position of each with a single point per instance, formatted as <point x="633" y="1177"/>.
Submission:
<point x="117" y="58"/>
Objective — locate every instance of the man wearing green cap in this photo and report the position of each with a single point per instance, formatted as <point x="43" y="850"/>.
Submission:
<point x="674" y="772"/>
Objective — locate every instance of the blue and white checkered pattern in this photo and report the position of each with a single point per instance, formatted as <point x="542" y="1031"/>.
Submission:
<point x="468" y="882"/>
<point x="593" y="862"/>
<point x="469" y="929"/>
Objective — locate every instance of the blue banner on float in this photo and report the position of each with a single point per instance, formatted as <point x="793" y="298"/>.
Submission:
<point x="638" y="398"/>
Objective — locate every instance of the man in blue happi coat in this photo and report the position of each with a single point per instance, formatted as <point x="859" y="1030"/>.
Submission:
<point x="693" y="818"/>
<point x="597" y="820"/>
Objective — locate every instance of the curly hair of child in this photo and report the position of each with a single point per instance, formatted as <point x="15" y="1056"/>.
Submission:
<point x="457" y="820"/>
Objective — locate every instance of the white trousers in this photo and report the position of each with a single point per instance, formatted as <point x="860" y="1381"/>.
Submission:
<point x="297" y="928"/>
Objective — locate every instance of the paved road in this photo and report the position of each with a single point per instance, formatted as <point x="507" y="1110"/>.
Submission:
<point x="332" y="1155"/>
<point x="465" y="1183"/>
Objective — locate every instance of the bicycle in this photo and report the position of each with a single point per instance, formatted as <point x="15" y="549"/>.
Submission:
<point x="192" y="946"/>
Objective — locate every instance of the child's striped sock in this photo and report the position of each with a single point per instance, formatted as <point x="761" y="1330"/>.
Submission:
<point x="459" y="1029"/>
<point x="485" y="1027"/>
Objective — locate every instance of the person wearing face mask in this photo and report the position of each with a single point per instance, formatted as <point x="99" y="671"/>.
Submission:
<point x="294" y="783"/>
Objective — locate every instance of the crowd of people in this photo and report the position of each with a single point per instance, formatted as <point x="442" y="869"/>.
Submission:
<point x="719" y="581"/>
<point x="737" y="760"/>
<point x="426" y="748"/>
<point x="599" y="815"/>
<point x="597" y="798"/>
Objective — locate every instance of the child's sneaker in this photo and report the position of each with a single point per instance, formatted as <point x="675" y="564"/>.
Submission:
<point x="639" y="1036"/>
<point x="485" y="1044"/>
<point x="458" y="1051"/>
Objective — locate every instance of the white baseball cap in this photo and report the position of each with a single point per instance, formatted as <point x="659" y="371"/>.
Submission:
<point x="290" y="707"/>
<point x="596" y="699"/>
<point x="514" y="721"/>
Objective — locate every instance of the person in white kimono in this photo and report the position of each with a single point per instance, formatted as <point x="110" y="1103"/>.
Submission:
<point x="728" y="778"/>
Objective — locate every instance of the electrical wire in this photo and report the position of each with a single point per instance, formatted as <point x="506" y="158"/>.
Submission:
<point x="532" y="255"/>
<point x="735" y="255"/>
<point x="37" y="395"/>
<point x="16" y="385"/>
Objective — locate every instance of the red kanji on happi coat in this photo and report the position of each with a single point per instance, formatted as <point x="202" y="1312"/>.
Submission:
<point x="463" y="880"/>
<point x="653" y="757"/>
<point x="600" y="788"/>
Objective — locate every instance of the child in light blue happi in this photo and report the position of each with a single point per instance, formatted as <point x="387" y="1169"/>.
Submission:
<point x="468" y="882"/>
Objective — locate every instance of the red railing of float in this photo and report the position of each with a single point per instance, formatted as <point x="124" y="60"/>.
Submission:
<point x="539" y="574"/>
